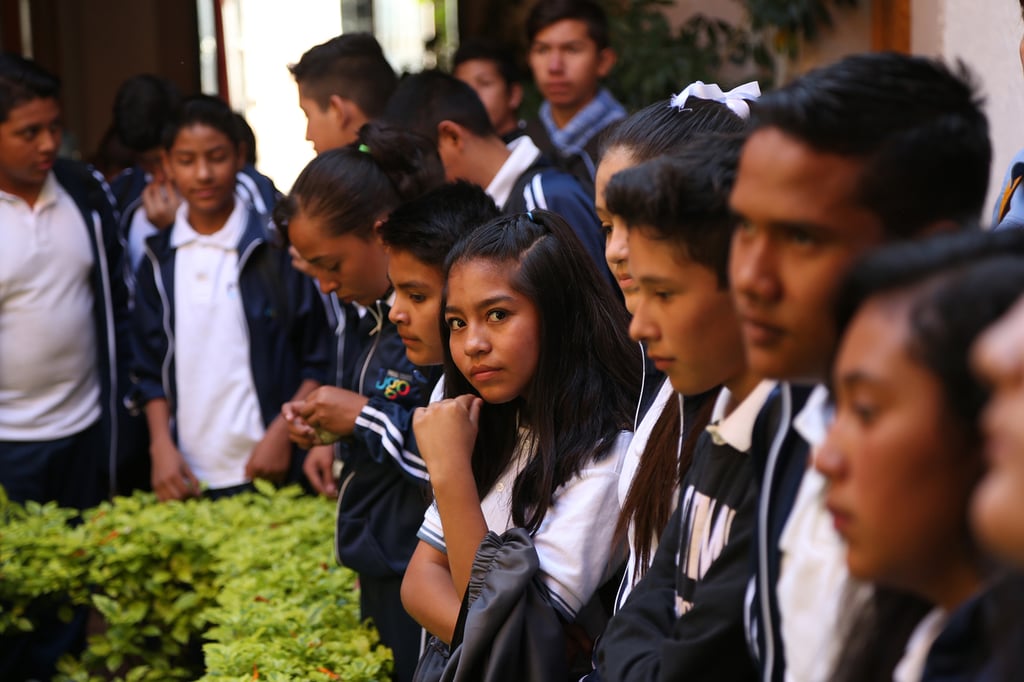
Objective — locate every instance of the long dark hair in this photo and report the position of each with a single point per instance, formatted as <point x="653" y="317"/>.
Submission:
<point x="349" y="188"/>
<point x="582" y="394"/>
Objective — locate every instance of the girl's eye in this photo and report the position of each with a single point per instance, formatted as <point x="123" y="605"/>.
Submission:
<point x="454" y="323"/>
<point x="663" y="295"/>
<point x="417" y="298"/>
<point x="863" y="411"/>
<point x="606" y="230"/>
<point x="496" y="315"/>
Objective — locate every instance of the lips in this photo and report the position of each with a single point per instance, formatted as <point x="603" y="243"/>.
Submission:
<point x="483" y="373"/>
<point x="661" y="363"/>
<point x="840" y="518"/>
<point x="759" y="332"/>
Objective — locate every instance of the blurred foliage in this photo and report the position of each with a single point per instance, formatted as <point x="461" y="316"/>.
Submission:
<point x="252" y="576"/>
<point x="657" y="59"/>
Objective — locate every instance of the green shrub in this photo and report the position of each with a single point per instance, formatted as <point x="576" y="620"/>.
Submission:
<point x="252" y="575"/>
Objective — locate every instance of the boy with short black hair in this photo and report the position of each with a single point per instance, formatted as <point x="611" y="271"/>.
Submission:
<point x="684" y="619"/>
<point x="872" y="149"/>
<point x="63" y="333"/>
<point x="226" y="329"/>
<point x="570" y="52"/>
<point x="418" y="236"/>
<point x="492" y="72"/>
<point x="518" y="177"/>
<point x="343" y="83"/>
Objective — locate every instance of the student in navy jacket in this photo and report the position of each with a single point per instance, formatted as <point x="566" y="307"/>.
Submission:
<point x="518" y="177"/>
<point x="332" y="213"/>
<point x="239" y="289"/>
<point x="63" y="332"/>
<point x="873" y="148"/>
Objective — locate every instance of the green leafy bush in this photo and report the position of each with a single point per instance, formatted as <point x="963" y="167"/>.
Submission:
<point x="252" y="575"/>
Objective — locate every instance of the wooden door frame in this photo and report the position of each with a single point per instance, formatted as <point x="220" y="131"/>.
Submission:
<point x="890" y="25"/>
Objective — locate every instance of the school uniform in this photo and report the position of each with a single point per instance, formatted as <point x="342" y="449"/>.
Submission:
<point x="527" y="181"/>
<point x="63" y="341"/>
<point x="573" y="542"/>
<point x="226" y="332"/>
<point x="684" y="620"/>
<point x="574" y="147"/>
<point x="63" y="357"/>
<point x="801" y="575"/>
<point x="383" y="481"/>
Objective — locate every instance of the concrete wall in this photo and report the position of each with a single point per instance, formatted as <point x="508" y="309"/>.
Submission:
<point x="986" y="36"/>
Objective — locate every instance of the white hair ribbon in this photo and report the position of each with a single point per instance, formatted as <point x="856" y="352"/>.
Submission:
<point x="735" y="99"/>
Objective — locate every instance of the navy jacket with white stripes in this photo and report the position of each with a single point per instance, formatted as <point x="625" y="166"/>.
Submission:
<point x="288" y="336"/>
<point x="384" y="486"/>
<point x="93" y="199"/>
<point x="544" y="186"/>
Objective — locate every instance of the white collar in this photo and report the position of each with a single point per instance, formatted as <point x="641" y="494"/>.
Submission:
<point x="736" y="428"/>
<point x="524" y="153"/>
<point x="48" y="193"/>
<point x="226" y="238"/>
<point x="813" y="421"/>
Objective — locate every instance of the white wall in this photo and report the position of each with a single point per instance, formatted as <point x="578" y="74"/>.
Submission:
<point x="986" y="35"/>
<point x="262" y="39"/>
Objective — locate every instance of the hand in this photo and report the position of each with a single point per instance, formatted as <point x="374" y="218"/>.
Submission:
<point x="160" y="200"/>
<point x="446" y="433"/>
<point x="171" y="477"/>
<point x="299" y="431"/>
<point x="319" y="469"/>
<point x="332" y="409"/>
<point x="271" y="456"/>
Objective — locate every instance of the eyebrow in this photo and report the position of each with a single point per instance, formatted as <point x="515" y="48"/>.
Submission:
<point x="411" y="284"/>
<point x="486" y="303"/>
<point x="858" y="378"/>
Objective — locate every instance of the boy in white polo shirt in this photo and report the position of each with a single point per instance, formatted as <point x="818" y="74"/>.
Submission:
<point x="63" y="329"/>
<point x="227" y="331"/>
<point x="62" y="305"/>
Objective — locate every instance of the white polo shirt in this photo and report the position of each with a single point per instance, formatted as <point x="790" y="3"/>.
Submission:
<point x="218" y="415"/>
<point x="574" y="540"/>
<point x="49" y="379"/>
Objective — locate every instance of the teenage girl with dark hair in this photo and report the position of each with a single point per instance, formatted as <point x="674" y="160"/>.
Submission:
<point x="332" y="214"/>
<point x="536" y="419"/>
<point x="905" y="453"/>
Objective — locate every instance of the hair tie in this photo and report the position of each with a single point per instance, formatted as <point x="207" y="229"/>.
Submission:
<point x="529" y="214"/>
<point x="735" y="99"/>
<point x="364" y="149"/>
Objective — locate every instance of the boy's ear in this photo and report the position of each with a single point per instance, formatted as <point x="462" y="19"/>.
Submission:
<point x="165" y="165"/>
<point x="606" y="59"/>
<point x="450" y="133"/>
<point x="340" y="110"/>
<point x="515" y="96"/>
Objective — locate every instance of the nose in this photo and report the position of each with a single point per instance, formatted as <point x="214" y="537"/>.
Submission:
<point x="828" y="458"/>
<point x="327" y="285"/>
<point x="555" y="61"/>
<point x="49" y="140"/>
<point x="616" y="250"/>
<point x="753" y="266"/>
<point x="397" y="314"/>
<point x="641" y="327"/>
<point x="477" y="341"/>
<point x="203" y="169"/>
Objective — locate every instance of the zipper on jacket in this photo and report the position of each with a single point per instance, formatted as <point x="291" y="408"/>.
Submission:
<point x="165" y="303"/>
<point x="108" y="306"/>
<point x="762" y="530"/>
